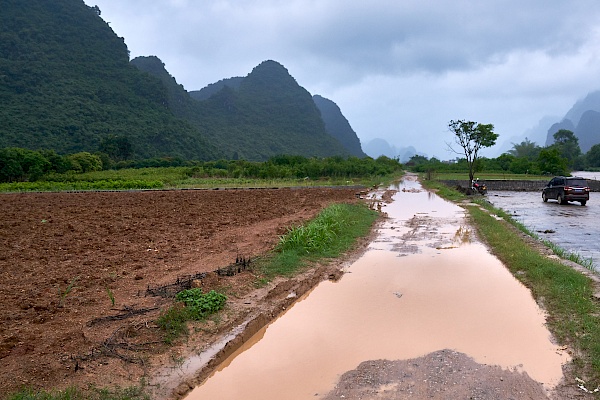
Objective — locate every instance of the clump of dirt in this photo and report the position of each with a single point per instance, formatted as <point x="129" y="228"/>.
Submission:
<point x="444" y="374"/>
<point x="76" y="268"/>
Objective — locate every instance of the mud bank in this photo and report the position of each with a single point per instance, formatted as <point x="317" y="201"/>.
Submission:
<point x="268" y="304"/>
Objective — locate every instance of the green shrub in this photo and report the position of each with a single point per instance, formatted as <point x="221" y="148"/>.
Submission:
<point x="194" y="306"/>
<point x="201" y="305"/>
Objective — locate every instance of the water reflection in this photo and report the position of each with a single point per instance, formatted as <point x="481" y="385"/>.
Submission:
<point x="572" y="226"/>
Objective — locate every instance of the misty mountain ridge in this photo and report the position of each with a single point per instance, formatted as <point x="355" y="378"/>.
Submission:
<point x="67" y="84"/>
<point x="583" y="119"/>
<point x="213" y="88"/>
<point x="380" y="147"/>
<point x="338" y="126"/>
<point x="537" y="135"/>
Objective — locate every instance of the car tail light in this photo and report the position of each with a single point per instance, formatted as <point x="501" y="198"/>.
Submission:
<point x="568" y="188"/>
<point x="587" y="189"/>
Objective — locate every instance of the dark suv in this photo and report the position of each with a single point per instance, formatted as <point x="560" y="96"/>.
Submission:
<point x="565" y="189"/>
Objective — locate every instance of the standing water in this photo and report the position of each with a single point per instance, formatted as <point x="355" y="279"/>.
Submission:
<point x="425" y="284"/>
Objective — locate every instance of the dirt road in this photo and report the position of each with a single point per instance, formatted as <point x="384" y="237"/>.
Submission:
<point x="425" y="312"/>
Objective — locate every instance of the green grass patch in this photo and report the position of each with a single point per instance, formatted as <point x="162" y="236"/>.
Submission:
<point x="52" y="186"/>
<point x="443" y="190"/>
<point x="329" y="235"/>
<point x="92" y="393"/>
<point x="193" y="305"/>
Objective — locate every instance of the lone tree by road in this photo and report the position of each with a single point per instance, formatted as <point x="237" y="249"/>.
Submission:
<point x="472" y="136"/>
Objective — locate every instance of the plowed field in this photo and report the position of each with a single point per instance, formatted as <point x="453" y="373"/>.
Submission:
<point x="75" y="269"/>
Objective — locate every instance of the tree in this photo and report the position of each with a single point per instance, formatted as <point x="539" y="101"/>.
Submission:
<point x="118" y="148"/>
<point x="567" y="145"/>
<point x="521" y="165"/>
<point x="17" y="164"/>
<point x="504" y="161"/>
<point x="550" y="162"/>
<point x="592" y="157"/>
<point x="472" y="137"/>
<point x="85" y="162"/>
<point x="526" y="148"/>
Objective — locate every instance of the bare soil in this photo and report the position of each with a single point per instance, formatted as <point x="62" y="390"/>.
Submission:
<point x="64" y="255"/>
<point x="441" y="375"/>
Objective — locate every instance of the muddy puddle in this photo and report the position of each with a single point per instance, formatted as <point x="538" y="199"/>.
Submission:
<point x="423" y="285"/>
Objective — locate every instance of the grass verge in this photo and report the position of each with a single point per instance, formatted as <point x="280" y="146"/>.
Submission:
<point x="330" y="234"/>
<point x="565" y="294"/>
<point x="92" y="393"/>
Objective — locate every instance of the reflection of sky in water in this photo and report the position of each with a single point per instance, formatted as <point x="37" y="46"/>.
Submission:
<point x="575" y="227"/>
<point x="587" y="175"/>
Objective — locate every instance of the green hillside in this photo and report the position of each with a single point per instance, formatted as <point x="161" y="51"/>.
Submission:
<point x="66" y="84"/>
<point x="338" y="126"/>
<point x="256" y="117"/>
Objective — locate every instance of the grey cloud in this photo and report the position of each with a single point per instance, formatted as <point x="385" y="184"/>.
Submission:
<point x="398" y="69"/>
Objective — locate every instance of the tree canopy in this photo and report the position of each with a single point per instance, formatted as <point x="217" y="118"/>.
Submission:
<point x="472" y="137"/>
<point x="568" y="148"/>
<point x="593" y="156"/>
<point x="526" y="149"/>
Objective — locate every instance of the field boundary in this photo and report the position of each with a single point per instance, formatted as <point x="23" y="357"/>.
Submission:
<point x="514" y="185"/>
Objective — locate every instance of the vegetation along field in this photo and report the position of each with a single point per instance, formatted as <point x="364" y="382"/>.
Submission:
<point x="33" y="170"/>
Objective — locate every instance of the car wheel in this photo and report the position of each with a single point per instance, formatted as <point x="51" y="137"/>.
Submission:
<point x="583" y="202"/>
<point x="560" y="199"/>
<point x="544" y="197"/>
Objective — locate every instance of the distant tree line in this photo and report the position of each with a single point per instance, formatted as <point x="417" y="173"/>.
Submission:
<point x="24" y="165"/>
<point x="298" y="167"/>
<point x="526" y="157"/>
<point x="20" y="165"/>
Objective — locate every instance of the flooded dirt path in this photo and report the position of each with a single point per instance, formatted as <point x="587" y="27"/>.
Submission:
<point x="424" y="285"/>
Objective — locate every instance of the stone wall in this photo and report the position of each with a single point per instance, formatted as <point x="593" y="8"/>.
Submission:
<point x="515" y="185"/>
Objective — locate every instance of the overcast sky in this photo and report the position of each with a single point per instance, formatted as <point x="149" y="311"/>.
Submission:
<point x="399" y="69"/>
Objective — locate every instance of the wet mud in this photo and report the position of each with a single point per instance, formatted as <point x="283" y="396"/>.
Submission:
<point x="424" y="285"/>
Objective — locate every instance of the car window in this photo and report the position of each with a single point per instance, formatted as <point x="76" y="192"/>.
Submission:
<point x="576" y="182"/>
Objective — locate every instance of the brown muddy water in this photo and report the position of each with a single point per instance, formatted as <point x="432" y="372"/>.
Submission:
<point x="425" y="284"/>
